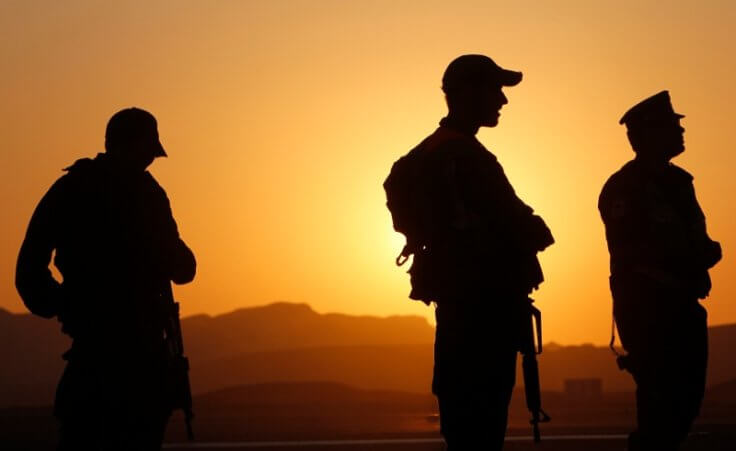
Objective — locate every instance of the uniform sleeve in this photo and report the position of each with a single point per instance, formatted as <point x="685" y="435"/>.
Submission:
<point x="40" y="292"/>
<point x="175" y="259"/>
<point x="493" y="204"/>
<point x="450" y="179"/>
<point x="624" y="231"/>
<point x="707" y="252"/>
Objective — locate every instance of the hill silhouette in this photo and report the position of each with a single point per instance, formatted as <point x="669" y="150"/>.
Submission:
<point x="388" y="367"/>
<point x="284" y="325"/>
<point x="261" y="343"/>
<point x="314" y="396"/>
<point x="290" y="343"/>
<point x="30" y="349"/>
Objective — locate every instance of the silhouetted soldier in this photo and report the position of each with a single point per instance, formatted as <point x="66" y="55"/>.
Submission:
<point x="474" y="249"/>
<point x="109" y="225"/>
<point x="660" y="256"/>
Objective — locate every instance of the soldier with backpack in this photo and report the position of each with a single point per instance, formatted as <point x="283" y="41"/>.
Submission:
<point x="474" y="246"/>
<point x="109" y="227"/>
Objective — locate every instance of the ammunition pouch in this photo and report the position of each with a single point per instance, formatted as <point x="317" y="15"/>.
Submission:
<point x="624" y="362"/>
<point x="423" y="276"/>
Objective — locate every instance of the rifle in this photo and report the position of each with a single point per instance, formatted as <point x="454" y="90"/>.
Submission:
<point x="178" y="364"/>
<point x="529" y="347"/>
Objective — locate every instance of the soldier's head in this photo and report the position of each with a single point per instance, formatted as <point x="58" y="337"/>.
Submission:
<point x="654" y="128"/>
<point x="473" y="88"/>
<point x="132" y="139"/>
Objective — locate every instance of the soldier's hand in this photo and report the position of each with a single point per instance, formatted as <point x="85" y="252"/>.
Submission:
<point x="715" y="255"/>
<point x="541" y="234"/>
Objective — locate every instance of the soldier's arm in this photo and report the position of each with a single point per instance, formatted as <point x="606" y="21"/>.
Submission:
<point x="41" y="293"/>
<point x="175" y="259"/>
<point x="500" y="208"/>
<point x="708" y="252"/>
<point x="626" y="227"/>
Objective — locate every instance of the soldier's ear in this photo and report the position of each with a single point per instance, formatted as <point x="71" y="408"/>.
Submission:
<point x="636" y="139"/>
<point x="460" y="99"/>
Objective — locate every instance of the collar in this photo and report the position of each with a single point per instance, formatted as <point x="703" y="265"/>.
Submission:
<point x="459" y="126"/>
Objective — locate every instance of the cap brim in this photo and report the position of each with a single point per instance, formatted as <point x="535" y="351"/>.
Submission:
<point x="509" y="77"/>
<point x="160" y="152"/>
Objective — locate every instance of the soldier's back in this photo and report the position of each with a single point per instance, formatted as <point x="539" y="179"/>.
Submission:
<point x="107" y="227"/>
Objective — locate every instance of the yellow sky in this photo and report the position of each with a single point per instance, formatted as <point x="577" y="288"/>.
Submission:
<point x="282" y="120"/>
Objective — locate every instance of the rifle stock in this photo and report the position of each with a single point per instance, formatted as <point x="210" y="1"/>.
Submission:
<point x="531" y="345"/>
<point x="178" y="364"/>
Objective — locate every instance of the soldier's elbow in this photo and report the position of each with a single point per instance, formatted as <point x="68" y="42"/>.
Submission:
<point x="184" y="277"/>
<point x="186" y="268"/>
<point x="34" y="301"/>
<point x="44" y="311"/>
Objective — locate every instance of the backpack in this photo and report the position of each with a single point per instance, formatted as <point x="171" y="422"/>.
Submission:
<point x="409" y="199"/>
<point x="403" y="199"/>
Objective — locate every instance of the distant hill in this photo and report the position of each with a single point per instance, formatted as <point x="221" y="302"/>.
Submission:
<point x="32" y="347"/>
<point x="376" y="367"/>
<point x="283" y="326"/>
<point x="30" y="352"/>
<point x="313" y="395"/>
<point x="723" y="393"/>
<point x="291" y="343"/>
<point x="392" y="367"/>
<point x="722" y="345"/>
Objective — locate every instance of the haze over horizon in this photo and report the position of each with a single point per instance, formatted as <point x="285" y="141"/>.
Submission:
<point x="282" y="119"/>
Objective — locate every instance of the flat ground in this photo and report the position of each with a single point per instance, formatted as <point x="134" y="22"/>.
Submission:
<point x="714" y="441"/>
<point x="609" y="442"/>
<point x="35" y="430"/>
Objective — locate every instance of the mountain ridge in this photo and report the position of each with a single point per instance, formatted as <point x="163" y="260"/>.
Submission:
<point x="286" y="342"/>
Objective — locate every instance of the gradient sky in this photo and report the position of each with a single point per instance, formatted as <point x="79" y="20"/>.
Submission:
<point x="282" y="119"/>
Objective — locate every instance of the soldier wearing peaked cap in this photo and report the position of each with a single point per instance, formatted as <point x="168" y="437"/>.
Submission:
<point x="474" y="244"/>
<point x="660" y="256"/>
<point x="109" y="225"/>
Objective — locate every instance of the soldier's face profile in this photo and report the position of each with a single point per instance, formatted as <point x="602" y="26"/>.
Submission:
<point x="137" y="155"/>
<point x="671" y="137"/>
<point x="147" y="153"/>
<point x="664" y="138"/>
<point x="490" y="101"/>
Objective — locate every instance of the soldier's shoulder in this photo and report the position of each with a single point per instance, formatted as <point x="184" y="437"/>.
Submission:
<point x="442" y="146"/>
<point x="75" y="174"/>
<point x="153" y="187"/>
<point x="86" y="168"/>
<point x="81" y="165"/>
<point x="680" y="174"/>
<point x="627" y="176"/>
<point x="446" y="139"/>
<point x="619" y="185"/>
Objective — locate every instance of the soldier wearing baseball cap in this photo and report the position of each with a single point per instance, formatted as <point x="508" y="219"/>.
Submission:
<point x="473" y="71"/>
<point x="660" y="257"/>
<point x="474" y="244"/>
<point x="110" y="226"/>
<point x="133" y="126"/>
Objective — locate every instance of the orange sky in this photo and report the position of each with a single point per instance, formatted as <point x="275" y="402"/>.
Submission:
<point x="282" y="119"/>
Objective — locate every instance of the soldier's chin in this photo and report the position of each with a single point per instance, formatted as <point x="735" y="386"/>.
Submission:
<point x="491" y="121"/>
<point x="676" y="150"/>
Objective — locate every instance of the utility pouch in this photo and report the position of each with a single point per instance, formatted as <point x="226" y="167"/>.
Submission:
<point x="423" y="277"/>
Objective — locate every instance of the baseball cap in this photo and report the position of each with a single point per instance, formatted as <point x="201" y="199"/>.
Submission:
<point x="130" y="125"/>
<point x="477" y="70"/>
